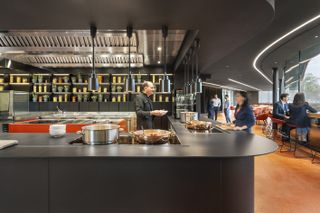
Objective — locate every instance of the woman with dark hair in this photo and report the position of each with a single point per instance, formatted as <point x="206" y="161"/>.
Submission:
<point x="243" y="113"/>
<point x="298" y="116"/>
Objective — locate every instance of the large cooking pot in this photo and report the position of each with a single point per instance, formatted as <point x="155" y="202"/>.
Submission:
<point x="188" y="116"/>
<point x="100" y="134"/>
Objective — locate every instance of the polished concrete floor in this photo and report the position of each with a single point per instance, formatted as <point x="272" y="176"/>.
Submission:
<point x="284" y="183"/>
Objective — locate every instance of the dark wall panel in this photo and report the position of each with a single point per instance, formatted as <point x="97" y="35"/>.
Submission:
<point x="24" y="186"/>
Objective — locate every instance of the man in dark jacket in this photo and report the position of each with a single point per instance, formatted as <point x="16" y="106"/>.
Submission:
<point x="280" y="108"/>
<point x="144" y="107"/>
<point x="280" y="111"/>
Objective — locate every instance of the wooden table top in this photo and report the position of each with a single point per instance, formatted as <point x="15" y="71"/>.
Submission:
<point x="314" y="115"/>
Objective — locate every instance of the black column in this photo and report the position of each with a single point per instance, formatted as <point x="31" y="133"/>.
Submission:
<point x="281" y="82"/>
<point x="275" y="86"/>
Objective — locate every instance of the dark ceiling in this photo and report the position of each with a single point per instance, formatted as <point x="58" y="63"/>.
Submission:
<point x="288" y="15"/>
<point x="223" y="25"/>
<point x="231" y="32"/>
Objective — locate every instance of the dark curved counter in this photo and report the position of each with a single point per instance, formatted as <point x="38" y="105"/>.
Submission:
<point x="206" y="173"/>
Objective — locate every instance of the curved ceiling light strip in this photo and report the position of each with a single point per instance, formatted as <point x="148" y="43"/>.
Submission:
<point x="296" y="65"/>
<point x="243" y="84"/>
<point x="254" y="64"/>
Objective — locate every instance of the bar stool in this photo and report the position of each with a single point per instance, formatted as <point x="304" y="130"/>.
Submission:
<point x="278" y="124"/>
<point x="263" y="118"/>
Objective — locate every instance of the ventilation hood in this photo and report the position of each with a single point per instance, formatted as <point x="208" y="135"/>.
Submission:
<point x="58" y="49"/>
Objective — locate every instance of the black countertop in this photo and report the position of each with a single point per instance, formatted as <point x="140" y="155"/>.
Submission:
<point x="221" y="145"/>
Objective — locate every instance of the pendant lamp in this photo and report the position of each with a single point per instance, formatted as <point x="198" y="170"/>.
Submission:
<point x="130" y="85"/>
<point x="93" y="83"/>
<point x="165" y="83"/>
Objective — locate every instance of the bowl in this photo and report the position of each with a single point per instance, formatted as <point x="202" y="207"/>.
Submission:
<point x="57" y="130"/>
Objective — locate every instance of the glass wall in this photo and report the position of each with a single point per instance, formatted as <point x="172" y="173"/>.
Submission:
<point x="310" y="83"/>
<point x="302" y="74"/>
<point x="265" y="97"/>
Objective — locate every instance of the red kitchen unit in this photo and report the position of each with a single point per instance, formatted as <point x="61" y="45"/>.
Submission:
<point x="33" y="127"/>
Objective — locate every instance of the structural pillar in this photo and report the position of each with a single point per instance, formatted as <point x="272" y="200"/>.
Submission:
<point x="275" y="86"/>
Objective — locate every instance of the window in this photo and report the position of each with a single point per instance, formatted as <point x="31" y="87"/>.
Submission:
<point x="265" y="97"/>
<point x="310" y="84"/>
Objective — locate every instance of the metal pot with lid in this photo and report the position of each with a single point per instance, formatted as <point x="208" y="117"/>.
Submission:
<point x="188" y="116"/>
<point x="100" y="134"/>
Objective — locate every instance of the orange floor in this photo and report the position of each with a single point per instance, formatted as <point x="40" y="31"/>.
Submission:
<point x="285" y="184"/>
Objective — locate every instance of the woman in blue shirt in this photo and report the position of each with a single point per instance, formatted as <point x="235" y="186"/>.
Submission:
<point x="243" y="113"/>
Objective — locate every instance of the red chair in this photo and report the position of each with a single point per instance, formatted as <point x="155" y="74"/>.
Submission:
<point x="277" y="125"/>
<point x="263" y="118"/>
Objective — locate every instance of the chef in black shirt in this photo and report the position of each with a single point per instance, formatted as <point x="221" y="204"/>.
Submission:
<point x="144" y="107"/>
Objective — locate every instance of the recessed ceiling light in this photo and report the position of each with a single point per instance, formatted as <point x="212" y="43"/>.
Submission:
<point x="159" y="48"/>
<point x="227" y="66"/>
<point x="275" y="62"/>
<point x="159" y="62"/>
<point x="243" y="84"/>
<point x="316" y="36"/>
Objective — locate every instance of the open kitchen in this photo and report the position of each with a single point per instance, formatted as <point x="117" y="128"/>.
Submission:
<point x="120" y="106"/>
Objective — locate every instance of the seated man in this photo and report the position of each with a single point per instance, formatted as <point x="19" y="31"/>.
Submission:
<point x="281" y="111"/>
<point x="280" y="108"/>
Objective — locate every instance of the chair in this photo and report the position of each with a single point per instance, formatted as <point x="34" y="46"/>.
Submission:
<point x="263" y="118"/>
<point x="277" y="125"/>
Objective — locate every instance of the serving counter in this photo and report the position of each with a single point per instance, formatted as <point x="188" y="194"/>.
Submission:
<point x="205" y="173"/>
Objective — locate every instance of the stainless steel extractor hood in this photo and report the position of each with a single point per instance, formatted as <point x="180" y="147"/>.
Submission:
<point x="56" y="48"/>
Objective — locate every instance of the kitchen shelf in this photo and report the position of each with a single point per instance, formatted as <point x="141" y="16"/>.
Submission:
<point x="21" y="84"/>
<point x="118" y="93"/>
<point x="117" y="83"/>
<point x="104" y="74"/>
<point x="104" y="83"/>
<point x="122" y="74"/>
<point x="80" y="84"/>
<point x="64" y="74"/>
<point x="45" y="74"/>
<point x="100" y="92"/>
<point x="61" y="83"/>
<point x="3" y="83"/>
<point x="42" y="83"/>
<point x="169" y="74"/>
<point x="81" y="93"/>
<point x="163" y="93"/>
<point x="21" y="74"/>
<point x="61" y="93"/>
<point x="42" y="93"/>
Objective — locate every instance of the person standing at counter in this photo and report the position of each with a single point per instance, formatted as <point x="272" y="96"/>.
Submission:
<point x="243" y="113"/>
<point x="299" y="117"/>
<point x="213" y="107"/>
<point x="226" y="108"/>
<point x="144" y="107"/>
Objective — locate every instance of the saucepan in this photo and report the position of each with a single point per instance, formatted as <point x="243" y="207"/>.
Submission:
<point x="100" y="134"/>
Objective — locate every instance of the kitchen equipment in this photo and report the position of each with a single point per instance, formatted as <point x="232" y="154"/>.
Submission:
<point x="57" y="130"/>
<point x="13" y="101"/>
<point x="100" y="134"/>
<point x="199" y="125"/>
<point x="188" y="116"/>
<point x="152" y="136"/>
